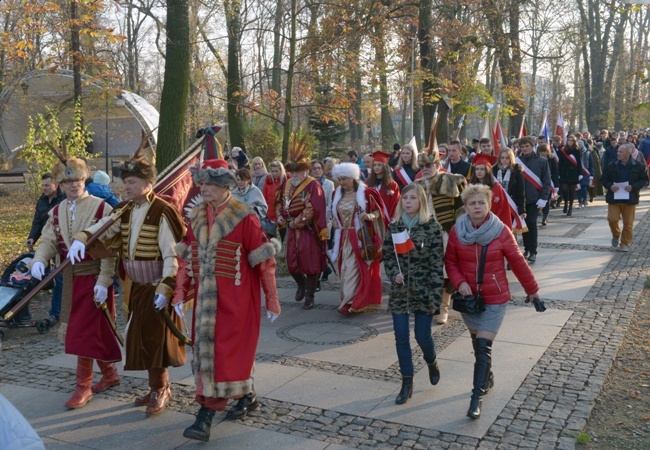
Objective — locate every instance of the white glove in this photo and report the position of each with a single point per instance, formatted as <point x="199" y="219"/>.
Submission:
<point x="38" y="270"/>
<point x="580" y="177"/>
<point x="271" y="316"/>
<point x="159" y="301"/>
<point x="179" y="310"/>
<point x="541" y="204"/>
<point x="77" y="251"/>
<point x="101" y="294"/>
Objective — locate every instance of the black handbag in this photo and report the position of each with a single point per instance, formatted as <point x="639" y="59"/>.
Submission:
<point x="472" y="304"/>
<point x="268" y="226"/>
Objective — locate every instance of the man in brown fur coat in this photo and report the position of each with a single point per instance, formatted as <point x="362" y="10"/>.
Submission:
<point x="147" y="233"/>
<point x="443" y="193"/>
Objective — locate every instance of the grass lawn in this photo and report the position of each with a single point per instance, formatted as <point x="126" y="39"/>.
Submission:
<point x="17" y="206"/>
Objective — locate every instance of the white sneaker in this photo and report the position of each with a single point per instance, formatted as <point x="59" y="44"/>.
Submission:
<point x="624" y="248"/>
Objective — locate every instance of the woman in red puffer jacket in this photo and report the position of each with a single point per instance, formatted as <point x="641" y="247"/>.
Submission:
<point x="274" y="180"/>
<point x="480" y="227"/>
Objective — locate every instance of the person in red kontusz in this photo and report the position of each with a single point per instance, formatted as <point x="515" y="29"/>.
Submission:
<point x="227" y="256"/>
<point x="382" y="181"/>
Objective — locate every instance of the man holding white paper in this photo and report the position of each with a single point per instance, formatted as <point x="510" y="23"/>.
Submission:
<point x="623" y="180"/>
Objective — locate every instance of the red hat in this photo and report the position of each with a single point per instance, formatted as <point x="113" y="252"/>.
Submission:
<point x="214" y="164"/>
<point x="380" y="156"/>
<point x="214" y="171"/>
<point x="484" y="159"/>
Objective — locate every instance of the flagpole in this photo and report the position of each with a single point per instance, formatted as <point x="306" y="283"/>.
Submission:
<point x="397" y="258"/>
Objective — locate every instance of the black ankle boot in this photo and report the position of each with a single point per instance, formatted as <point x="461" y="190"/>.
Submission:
<point x="565" y="209"/>
<point x="300" y="281"/>
<point x="406" y="392"/>
<point x="245" y="404"/>
<point x="481" y="375"/>
<point x="434" y="372"/>
<point x="200" y="431"/>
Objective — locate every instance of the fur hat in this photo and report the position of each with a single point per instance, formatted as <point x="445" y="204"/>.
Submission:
<point x="426" y="158"/>
<point x="138" y="166"/>
<point x="214" y="171"/>
<point x="70" y="169"/>
<point x="349" y="170"/>
<point x="101" y="177"/>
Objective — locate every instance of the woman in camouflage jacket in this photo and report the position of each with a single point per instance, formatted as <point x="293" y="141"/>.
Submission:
<point x="417" y="283"/>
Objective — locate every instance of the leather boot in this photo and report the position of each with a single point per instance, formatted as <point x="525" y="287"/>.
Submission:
<point x="310" y="290"/>
<point x="441" y="319"/>
<point x="489" y="383"/>
<point x="481" y="373"/>
<point x="143" y="400"/>
<point x="82" y="392"/>
<point x="406" y="392"/>
<point x="570" y="210"/>
<point x="161" y="392"/>
<point x="200" y="431"/>
<point x="300" y="281"/>
<point x="245" y="404"/>
<point x="109" y="376"/>
<point x="434" y="372"/>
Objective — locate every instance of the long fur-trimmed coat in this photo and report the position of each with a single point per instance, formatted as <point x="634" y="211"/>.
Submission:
<point x="226" y="258"/>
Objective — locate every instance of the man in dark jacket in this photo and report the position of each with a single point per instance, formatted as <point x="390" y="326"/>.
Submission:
<point x="623" y="180"/>
<point x="537" y="180"/>
<point x="644" y="145"/>
<point x="611" y="150"/>
<point x="51" y="197"/>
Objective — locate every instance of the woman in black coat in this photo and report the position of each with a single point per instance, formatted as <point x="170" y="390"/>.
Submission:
<point x="509" y="174"/>
<point x="570" y="170"/>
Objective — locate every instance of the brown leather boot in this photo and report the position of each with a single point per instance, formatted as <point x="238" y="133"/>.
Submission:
<point x="82" y="393"/>
<point x="310" y="290"/>
<point x="109" y="376"/>
<point x="161" y="392"/>
<point x="143" y="400"/>
<point x="300" y="281"/>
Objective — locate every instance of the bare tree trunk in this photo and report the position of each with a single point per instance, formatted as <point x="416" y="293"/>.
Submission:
<point x="234" y="88"/>
<point x="286" y="136"/>
<point x="173" y="101"/>
<point x="75" y="47"/>
<point x="388" y="135"/>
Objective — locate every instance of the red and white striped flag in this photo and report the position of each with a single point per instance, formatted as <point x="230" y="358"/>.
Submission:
<point x="402" y="242"/>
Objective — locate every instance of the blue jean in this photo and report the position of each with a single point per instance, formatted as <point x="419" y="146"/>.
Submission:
<point x="423" y="337"/>
<point x="57" y="293"/>
<point x="582" y="194"/>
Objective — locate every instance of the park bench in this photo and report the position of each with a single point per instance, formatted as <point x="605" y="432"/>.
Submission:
<point x="12" y="177"/>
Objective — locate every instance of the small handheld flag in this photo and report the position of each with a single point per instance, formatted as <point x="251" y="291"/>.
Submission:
<point x="402" y="242"/>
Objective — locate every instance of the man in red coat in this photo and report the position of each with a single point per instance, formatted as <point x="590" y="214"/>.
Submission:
<point x="301" y="205"/>
<point x="227" y="256"/>
<point x="87" y="333"/>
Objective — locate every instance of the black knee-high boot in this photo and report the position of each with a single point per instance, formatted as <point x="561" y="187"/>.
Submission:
<point x="489" y="383"/>
<point x="481" y="372"/>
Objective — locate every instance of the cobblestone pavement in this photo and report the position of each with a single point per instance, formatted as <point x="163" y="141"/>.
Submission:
<point x="547" y="411"/>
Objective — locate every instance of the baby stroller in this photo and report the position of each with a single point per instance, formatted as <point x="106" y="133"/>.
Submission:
<point x="15" y="283"/>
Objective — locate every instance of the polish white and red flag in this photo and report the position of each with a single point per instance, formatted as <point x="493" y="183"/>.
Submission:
<point x="559" y="126"/>
<point x="402" y="242"/>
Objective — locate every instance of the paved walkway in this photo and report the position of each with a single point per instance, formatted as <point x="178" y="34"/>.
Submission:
<point x="328" y="381"/>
